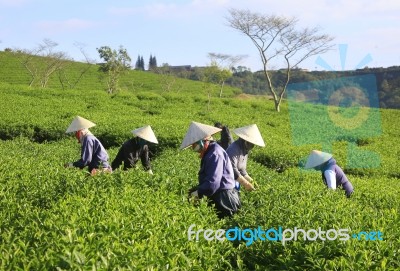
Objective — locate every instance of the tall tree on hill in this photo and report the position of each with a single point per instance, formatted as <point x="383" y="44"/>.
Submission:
<point x="71" y="81"/>
<point x="41" y="69"/>
<point x="155" y="62"/>
<point x="220" y="68"/>
<point x="139" y="63"/>
<point x="116" y="63"/>
<point x="142" y="63"/>
<point x="278" y="37"/>
<point x="152" y="63"/>
<point x="166" y="79"/>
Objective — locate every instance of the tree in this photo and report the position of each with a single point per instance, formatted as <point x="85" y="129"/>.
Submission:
<point x="42" y="68"/>
<point x="277" y="37"/>
<point x="116" y="63"/>
<point x="70" y="80"/>
<point x="139" y="63"/>
<point x="152" y="63"/>
<point x="220" y="68"/>
<point x="142" y="63"/>
<point x="167" y="81"/>
<point x="214" y="74"/>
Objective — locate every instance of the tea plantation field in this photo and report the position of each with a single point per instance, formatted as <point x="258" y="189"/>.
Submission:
<point x="54" y="218"/>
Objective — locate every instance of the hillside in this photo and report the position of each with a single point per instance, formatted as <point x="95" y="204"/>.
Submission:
<point x="84" y="76"/>
<point x="56" y="218"/>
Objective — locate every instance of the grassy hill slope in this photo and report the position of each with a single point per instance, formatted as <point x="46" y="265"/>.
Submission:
<point x="84" y="76"/>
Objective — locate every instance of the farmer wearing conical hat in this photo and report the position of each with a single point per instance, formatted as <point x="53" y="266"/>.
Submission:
<point x="93" y="154"/>
<point x="238" y="153"/>
<point x="332" y="175"/>
<point x="216" y="175"/>
<point x="226" y="137"/>
<point x="136" y="148"/>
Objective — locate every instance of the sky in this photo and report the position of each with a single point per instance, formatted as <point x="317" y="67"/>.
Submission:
<point x="184" y="32"/>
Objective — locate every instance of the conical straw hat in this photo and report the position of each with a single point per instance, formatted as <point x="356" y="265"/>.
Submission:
<point x="251" y="134"/>
<point x="146" y="133"/>
<point x="79" y="123"/>
<point x="196" y="132"/>
<point x="317" y="158"/>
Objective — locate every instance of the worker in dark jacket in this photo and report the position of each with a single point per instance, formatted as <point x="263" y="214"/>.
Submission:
<point x="93" y="154"/>
<point x="136" y="148"/>
<point x="332" y="175"/>
<point x="226" y="137"/>
<point x="216" y="174"/>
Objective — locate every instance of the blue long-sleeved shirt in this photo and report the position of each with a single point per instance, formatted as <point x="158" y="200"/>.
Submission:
<point x="216" y="171"/>
<point x="93" y="154"/>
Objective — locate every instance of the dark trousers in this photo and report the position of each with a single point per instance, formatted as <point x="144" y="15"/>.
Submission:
<point x="226" y="202"/>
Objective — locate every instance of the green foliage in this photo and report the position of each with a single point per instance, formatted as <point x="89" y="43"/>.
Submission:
<point x="139" y="63"/>
<point x="61" y="219"/>
<point x="152" y="63"/>
<point x="116" y="63"/>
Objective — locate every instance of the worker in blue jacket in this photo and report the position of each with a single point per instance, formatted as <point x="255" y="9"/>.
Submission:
<point x="93" y="154"/>
<point x="332" y="175"/>
<point x="215" y="176"/>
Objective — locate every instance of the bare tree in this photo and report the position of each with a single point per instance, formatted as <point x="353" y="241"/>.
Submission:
<point x="277" y="37"/>
<point x="72" y="81"/>
<point x="225" y="60"/>
<point x="166" y="79"/>
<point x="42" y="68"/>
<point x="221" y="67"/>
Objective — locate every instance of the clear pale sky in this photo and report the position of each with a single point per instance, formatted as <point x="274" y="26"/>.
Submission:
<point x="183" y="32"/>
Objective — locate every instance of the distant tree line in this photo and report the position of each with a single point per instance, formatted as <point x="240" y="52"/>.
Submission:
<point x="387" y="80"/>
